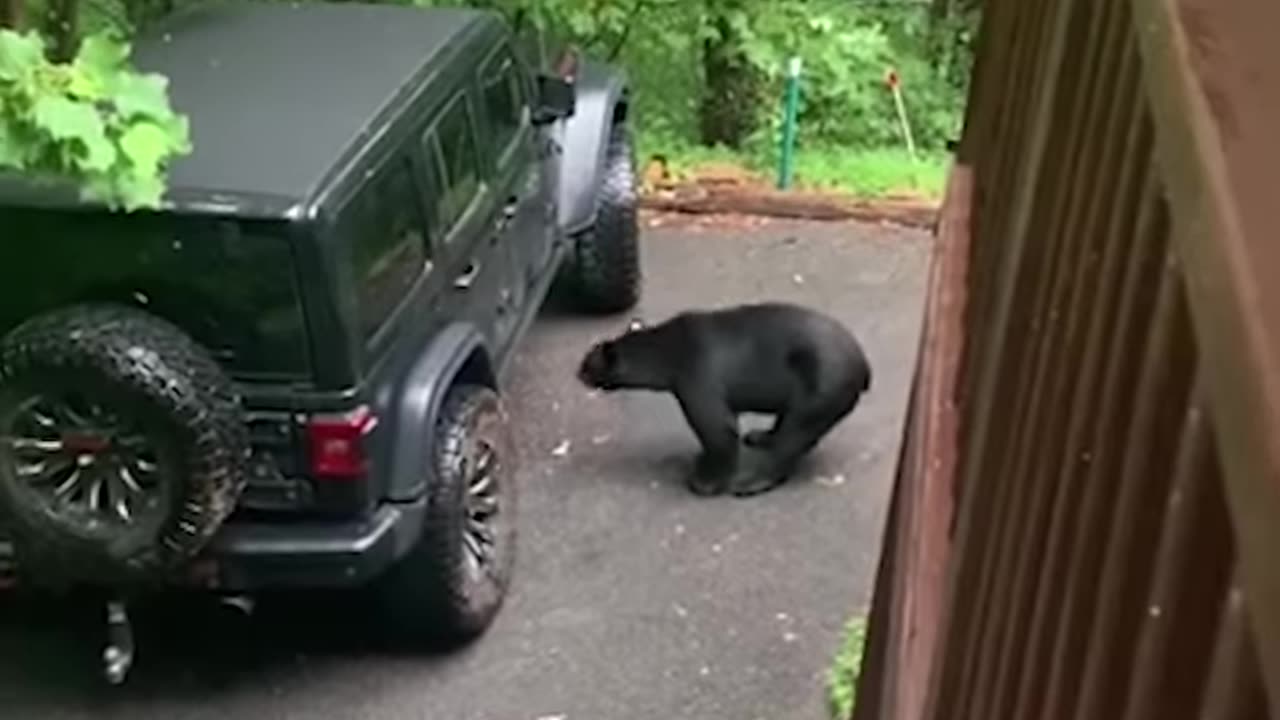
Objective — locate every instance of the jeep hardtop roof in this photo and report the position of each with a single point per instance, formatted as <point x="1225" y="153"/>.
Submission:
<point x="280" y="95"/>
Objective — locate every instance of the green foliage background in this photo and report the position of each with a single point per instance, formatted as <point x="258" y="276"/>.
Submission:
<point x="849" y="135"/>
<point x="848" y="124"/>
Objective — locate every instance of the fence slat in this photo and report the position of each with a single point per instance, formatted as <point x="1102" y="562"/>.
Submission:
<point x="1190" y="582"/>
<point x="1033" y="329"/>
<point x="974" y="518"/>
<point x="1144" y="481"/>
<point x="1076" y="368"/>
<point x="1143" y="254"/>
<point x="1234" y="691"/>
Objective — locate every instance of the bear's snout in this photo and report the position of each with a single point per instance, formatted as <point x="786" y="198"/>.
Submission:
<point x="593" y="369"/>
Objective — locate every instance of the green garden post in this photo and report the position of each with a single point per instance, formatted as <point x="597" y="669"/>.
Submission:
<point x="790" y="107"/>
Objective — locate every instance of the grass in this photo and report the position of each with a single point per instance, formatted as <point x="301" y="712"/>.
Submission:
<point x="842" y="678"/>
<point x="873" y="173"/>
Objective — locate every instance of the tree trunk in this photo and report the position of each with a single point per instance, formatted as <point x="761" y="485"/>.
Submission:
<point x="13" y="14"/>
<point x="141" y="13"/>
<point x="732" y="87"/>
<point x="62" y="27"/>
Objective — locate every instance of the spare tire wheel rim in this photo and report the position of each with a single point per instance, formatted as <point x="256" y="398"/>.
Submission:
<point x="480" y="533"/>
<point x="90" y="467"/>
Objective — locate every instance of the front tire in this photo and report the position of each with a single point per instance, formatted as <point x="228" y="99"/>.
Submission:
<point x="606" y="257"/>
<point x="453" y="582"/>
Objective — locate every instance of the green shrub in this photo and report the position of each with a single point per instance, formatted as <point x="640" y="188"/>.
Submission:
<point x="842" y="678"/>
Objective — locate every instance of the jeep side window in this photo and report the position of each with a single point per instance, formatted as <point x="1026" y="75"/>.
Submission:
<point x="504" y="100"/>
<point x="385" y="227"/>
<point x="453" y="151"/>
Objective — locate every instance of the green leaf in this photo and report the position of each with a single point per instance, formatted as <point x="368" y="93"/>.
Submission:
<point x="83" y="85"/>
<point x="821" y="24"/>
<point x="99" y="155"/>
<point x="146" y="95"/>
<point x="146" y="145"/>
<point x="102" y="54"/>
<point x="79" y="125"/>
<point x="66" y="119"/>
<point x="101" y="187"/>
<point x="19" y="53"/>
<point x="178" y="130"/>
<point x="11" y="152"/>
<point x="98" y="64"/>
<point x="140" y="191"/>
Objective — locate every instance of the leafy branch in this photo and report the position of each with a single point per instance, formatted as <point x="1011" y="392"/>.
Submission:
<point x="92" y="120"/>
<point x="621" y="40"/>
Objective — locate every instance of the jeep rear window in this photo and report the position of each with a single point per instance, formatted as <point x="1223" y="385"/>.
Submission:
<point x="452" y="151"/>
<point x="230" y="285"/>
<point x="389" y="247"/>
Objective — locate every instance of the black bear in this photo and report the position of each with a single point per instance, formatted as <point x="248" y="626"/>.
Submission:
<point x="799" y="365"/>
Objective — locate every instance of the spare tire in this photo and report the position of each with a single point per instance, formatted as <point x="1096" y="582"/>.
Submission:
<point x="123" y="446"/>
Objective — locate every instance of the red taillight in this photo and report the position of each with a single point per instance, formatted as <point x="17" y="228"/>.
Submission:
<point x="337" y="443"/>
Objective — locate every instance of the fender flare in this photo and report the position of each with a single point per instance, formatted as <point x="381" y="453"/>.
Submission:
<point x="448" y="359"/>
<point x="601" y="92"/>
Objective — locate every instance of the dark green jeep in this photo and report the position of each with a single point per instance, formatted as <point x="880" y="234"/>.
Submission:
<point x="288" y="377"/>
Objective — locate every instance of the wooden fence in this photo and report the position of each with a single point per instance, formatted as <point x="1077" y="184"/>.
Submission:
<point x="1086" y="521"/>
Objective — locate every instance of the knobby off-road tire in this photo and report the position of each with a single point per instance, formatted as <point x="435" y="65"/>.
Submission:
<point x="606" y="259"/>
<point x="123" y="446"/>
<point x="451" y="585"/>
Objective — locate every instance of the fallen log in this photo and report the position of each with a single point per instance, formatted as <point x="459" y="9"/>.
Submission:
<point x="797" y="205"/>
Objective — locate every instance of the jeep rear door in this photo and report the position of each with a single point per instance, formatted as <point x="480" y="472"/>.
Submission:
<point x="467" y="218"/>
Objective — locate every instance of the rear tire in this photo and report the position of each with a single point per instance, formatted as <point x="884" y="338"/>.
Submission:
<point x="453" y="582"/>
<point x="605" y="267"/>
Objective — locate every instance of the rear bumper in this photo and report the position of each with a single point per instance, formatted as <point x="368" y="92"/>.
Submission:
<point x="246" y="557"/>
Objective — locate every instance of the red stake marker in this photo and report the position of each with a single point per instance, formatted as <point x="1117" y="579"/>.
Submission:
<point x="895" y="86"/>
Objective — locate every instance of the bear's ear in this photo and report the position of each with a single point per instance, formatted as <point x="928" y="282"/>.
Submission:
<point x="635" y="324"/>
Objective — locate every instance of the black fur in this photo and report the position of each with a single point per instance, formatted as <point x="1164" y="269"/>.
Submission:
<point x="799" y="365"/>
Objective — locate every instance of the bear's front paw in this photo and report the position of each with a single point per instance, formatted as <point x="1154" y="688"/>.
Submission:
<point x="711" y="476"/>
<point x="704" y="486"/>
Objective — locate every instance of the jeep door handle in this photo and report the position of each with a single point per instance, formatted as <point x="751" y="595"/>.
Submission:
<point x="468" y="276"/>
<point x="508" y="213"/>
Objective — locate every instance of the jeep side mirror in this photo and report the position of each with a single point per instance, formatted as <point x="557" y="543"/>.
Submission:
<point x="555" y="98"/>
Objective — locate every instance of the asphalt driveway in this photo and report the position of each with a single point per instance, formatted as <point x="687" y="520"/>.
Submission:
<point x="634" y="600"/>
